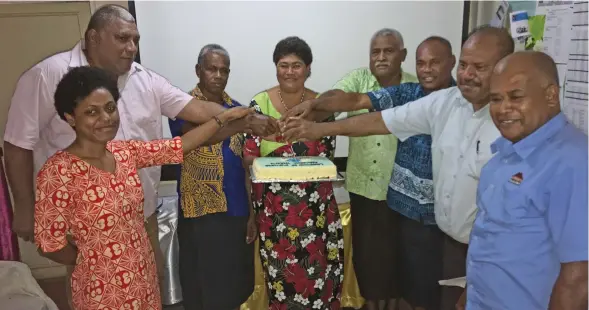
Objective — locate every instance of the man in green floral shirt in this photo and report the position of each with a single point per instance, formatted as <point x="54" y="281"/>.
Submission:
<point x="370" y="163"/>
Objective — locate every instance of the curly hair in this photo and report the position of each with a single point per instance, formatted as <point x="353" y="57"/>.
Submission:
<point x="78" y="84"/>
<point x="293" y="46"/>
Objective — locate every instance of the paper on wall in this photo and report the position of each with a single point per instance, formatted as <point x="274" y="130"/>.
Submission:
<point x="528" y="6"/>
<point x="575" y="109"/>
<point x="519" y="24"/>
<point x="499" y="17"/>
<point x="520" y="43"/>
<point x="575" y="104"/>
<point x="557" y="29"/>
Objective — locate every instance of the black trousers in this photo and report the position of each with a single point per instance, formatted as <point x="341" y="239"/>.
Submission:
<point x="216" y="264"/>
<point x="374" y="247"/>
<point x="395" y="256"/>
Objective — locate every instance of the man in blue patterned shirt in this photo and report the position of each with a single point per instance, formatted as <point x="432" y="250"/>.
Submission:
<point x="410" y="192"/>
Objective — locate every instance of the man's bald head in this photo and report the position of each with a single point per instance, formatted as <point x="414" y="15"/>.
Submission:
<point x="538" y="65"/>
<point x="524" y="94"/>
<point x="498" y="36"/>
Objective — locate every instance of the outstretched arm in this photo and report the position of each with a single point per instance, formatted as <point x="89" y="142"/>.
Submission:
<point x="328" y="103"/>
<point x="197" y="136"/>
<point x="252" y="123"/>
<point x="339" y="101"/>
<point x="170" y="151"/>
<point x="417" y="117"/>
<point x="358" y="126"/>
<point x="175" y="103"/>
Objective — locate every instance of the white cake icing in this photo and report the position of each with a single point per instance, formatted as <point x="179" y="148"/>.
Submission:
<point x="294" y="168"/>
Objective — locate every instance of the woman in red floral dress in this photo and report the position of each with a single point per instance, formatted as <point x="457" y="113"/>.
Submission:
<point x="91" y="190"/>
<point x="301" y="236"/>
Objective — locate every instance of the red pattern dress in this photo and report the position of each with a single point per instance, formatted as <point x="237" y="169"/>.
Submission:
<point x="103" y="211"/>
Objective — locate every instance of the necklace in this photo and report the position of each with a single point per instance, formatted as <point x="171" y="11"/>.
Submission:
<point x="286" y="109"/>
<point x="282" y="100"/>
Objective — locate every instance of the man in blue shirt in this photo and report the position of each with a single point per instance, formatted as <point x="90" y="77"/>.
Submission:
<point x="528" y="246"/>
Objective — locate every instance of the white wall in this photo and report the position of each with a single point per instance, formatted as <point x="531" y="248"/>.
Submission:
<point x="172" y="34"/>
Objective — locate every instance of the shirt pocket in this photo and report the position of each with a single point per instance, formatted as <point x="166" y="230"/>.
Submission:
<point x="141" y="111"/>
<point x="516" y="205"/>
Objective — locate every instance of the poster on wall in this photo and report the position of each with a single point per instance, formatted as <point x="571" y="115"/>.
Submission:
<point x="557" y="28"/>
<point x="528" y="6"/>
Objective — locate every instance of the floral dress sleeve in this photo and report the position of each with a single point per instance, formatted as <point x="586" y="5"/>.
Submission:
<point x="151" y="153"/>
<point x="252" y="143"/>
<point x="52" y="201"/>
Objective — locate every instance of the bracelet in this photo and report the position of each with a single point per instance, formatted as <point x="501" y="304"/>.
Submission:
<point x="218" y="121"/>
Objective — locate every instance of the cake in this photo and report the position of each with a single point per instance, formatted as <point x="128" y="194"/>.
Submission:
<point x="294" y="168"/>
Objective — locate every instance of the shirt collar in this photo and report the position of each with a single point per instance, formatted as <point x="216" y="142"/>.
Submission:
<point x="405" y="77"/>
<point x="78" y="58"/>
<point x="197" y="93"/>
<point x="481" y="113"/>
<point x="527" y="145"/>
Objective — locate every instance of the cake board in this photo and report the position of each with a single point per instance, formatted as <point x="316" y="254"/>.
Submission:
<point x="339" y="178"/>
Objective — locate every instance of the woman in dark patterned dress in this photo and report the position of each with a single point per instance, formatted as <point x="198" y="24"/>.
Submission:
<point x="301" y="236"/>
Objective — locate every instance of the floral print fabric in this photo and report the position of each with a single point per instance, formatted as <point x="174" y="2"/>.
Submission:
<point x="301" y="236"/>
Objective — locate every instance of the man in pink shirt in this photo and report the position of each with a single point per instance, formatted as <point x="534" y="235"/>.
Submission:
<point x="34" y="131"/>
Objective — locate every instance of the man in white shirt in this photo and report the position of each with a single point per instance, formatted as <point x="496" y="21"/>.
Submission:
<point x="34" y="131"/>
<point x="458" y="120"/>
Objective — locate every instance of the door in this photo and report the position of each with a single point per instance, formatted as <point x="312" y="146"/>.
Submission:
<point x="30" y="32"/>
